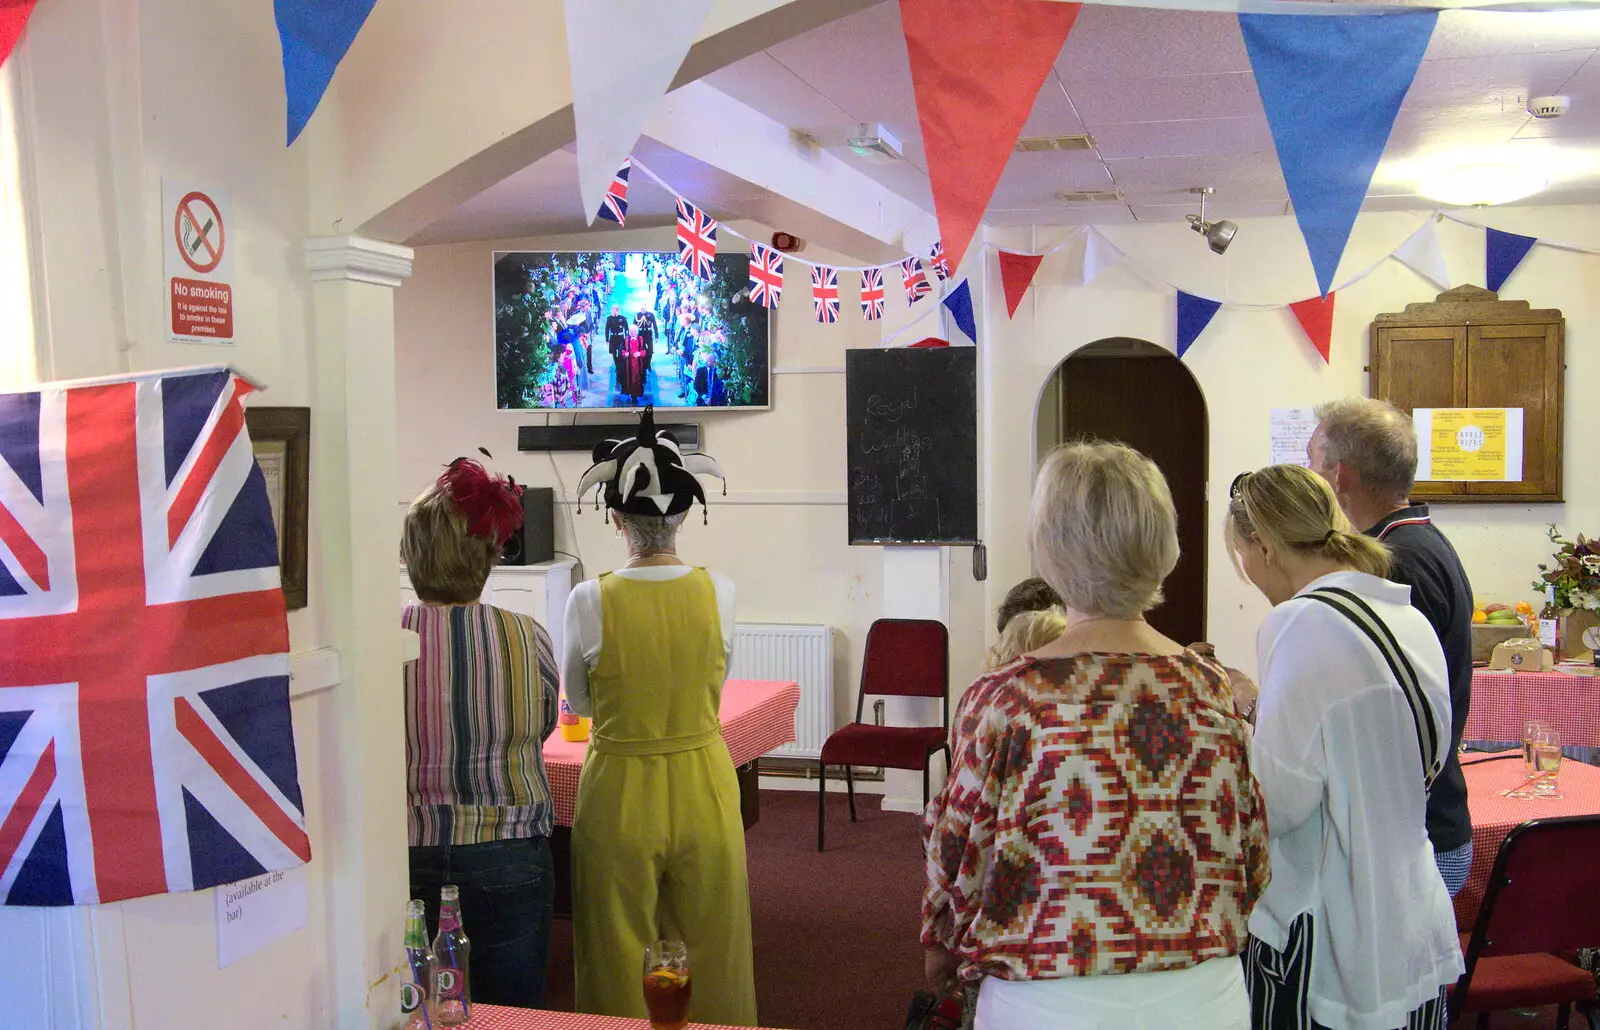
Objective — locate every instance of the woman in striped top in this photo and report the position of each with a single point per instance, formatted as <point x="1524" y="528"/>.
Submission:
<point x="480" y="702"/>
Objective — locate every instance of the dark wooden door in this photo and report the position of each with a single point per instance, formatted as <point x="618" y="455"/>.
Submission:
<point x="1153" y="405"/>
<point x="1520" y="366"/>
<point x="1421" y="367"/>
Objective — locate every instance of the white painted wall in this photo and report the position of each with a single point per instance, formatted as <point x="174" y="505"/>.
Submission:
<point x="1248" y="362"/>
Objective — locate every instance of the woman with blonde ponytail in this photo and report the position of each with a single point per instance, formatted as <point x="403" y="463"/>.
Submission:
<point x="1356" y="930"/>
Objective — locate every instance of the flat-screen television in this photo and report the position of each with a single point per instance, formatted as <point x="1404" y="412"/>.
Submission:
<point x="625" y="329"/>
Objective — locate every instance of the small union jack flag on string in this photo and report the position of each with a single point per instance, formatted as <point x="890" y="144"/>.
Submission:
<point x="614" y="206"/>
<point x="940" y="263"/>
<point x="917" y="285"/>
<point x="144" y="695"/>
<point x="872" y="294"/>
<point x="697" y="239"/>
<point x="825" y="293"/>
<point x="766" y="275"/>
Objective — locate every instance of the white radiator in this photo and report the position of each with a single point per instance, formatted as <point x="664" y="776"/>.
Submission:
<point x="803" y="654"/>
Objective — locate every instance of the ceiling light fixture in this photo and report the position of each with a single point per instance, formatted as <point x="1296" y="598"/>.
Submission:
<point x="1218" y="234"/>
<point x="1483" y="185"/>
<point x="874" y="144"/>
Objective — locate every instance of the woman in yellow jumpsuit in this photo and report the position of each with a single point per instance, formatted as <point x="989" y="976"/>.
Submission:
<point x="657" y="837"/>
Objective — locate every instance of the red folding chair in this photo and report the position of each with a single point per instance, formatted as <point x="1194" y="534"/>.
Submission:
<point x="904" y="658"/>
<point x="1542" y="899"/>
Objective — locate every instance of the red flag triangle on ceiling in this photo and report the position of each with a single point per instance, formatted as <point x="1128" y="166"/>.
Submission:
<point x="1016" y="275"/>
<point x="13" y="19"/>
<point x="1316" y="318"/>
<point x="977" y="66"/>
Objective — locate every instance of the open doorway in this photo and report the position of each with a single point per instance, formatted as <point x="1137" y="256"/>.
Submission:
<point x="1136" y="393"/>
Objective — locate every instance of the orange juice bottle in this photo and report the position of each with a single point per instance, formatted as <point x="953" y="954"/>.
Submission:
<point x="574" y="727"/>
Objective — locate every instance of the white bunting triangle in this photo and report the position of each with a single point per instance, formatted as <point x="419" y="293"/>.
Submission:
<point x="1422" y="253"/>
<point x="1088" y="256"/>
<point x="623" y="55"/>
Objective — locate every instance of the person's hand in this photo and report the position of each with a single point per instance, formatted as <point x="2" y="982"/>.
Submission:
<point x="940" y="966"/>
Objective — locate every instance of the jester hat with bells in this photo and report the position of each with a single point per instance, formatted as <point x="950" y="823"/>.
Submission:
<point x="646" y="474"/>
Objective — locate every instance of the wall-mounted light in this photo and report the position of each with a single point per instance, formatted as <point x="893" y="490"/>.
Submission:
<point x="1480" y="185"/>
<point x="1218" y="234"/>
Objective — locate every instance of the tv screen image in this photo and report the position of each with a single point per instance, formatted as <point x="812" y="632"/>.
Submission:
<point x="624" y="329"/>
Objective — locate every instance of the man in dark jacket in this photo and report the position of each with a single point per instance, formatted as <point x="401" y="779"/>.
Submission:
<point x="1367" y="451"/>
<point x="616" y="332"/>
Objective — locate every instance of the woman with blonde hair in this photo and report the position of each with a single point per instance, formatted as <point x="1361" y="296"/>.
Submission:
<point x="1096" y="850"/>
<point x="1025" y="632"/>
<point x="1356" y="930"/>
<point x="480" y="701"/>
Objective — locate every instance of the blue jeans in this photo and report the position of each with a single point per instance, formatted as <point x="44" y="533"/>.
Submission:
<point x="507" y="900"/>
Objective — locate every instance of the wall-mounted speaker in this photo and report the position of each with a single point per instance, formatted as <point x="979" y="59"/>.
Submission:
<point x="535" y="542"/>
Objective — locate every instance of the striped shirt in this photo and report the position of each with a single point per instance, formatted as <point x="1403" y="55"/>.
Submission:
<point x="480" y="702"/>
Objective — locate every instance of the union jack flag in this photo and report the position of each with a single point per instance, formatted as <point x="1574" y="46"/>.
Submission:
<point x="145" y="741"/>
<point x="825" y="293"/>
<point x="917" y="285"/>
<point x="940" y="263"/>
<point x="697" y="239"/>
<point x="766" y="275"/>
<point x="614" y="205"/>
<point x="872" y="294"/>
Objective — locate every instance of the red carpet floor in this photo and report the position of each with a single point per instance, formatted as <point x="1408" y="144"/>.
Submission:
<point x="836" y="933"/>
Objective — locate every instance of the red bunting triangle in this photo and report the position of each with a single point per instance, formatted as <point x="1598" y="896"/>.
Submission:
<point x="1316" y="318"/>
<point x="1016" y="275"/>
<point x="977" y="66"/>
<point x="13" y="19"/>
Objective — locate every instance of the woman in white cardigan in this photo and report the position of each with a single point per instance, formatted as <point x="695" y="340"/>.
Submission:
<point x="1355" y="931"/>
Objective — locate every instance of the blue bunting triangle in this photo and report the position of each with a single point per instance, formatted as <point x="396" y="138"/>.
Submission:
<point x="1331" y="87"/>
<point x="959" y="301"/>
<point x="1504" y="251"/>
<point x="315" y="35"/>
<point x="1194" y="314"/>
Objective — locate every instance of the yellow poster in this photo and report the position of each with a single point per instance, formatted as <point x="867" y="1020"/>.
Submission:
<point x="1469" y="444"/>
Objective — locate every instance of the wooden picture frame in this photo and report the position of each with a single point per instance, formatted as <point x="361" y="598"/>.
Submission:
<point x="281" y="440"/>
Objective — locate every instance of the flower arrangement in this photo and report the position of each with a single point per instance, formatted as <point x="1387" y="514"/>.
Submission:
<point x="1575" y="572"/>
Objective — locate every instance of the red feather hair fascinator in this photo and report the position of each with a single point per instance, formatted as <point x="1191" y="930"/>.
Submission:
<point x="492" y="505"/>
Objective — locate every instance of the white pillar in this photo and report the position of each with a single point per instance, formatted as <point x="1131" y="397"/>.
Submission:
<point x="916" y="585"/>
<point x="354" y="503"/>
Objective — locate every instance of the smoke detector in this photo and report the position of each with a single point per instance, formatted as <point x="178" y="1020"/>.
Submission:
<point x="1549" y="107"/>
<point x="873" y="143"/>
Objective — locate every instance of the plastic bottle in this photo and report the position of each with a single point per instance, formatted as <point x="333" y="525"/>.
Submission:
<point x="451" y="949"/>
<point x="416" y="1000"/>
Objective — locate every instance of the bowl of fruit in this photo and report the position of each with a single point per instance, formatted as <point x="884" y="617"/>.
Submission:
<point x="1495" y="623"/>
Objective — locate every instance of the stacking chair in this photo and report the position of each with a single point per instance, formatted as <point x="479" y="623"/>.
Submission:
<point x="1542" y="899"/>
<point x="904" y="658"/>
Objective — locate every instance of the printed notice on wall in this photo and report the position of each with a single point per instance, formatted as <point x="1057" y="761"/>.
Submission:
<point x="1291" y="435"/>
<point x="1472" y="445"/>
<point x="199" y="264"/>
<point x="253" y="913"/>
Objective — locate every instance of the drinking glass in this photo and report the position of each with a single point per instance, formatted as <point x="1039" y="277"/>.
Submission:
<point x="666" y="984"/>
<point x="1532" y="730"/>
<point x="1546" y="760"/>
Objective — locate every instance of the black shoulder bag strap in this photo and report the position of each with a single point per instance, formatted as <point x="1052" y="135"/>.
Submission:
<point x="1352" y="607"/>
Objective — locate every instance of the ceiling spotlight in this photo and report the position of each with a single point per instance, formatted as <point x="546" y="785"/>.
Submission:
<point x="1218" y="234"/>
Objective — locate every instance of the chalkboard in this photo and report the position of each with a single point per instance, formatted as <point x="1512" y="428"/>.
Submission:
<point x="912" y="437"/>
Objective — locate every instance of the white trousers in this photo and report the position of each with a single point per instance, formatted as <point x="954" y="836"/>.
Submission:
<point x="1209" y="996"/>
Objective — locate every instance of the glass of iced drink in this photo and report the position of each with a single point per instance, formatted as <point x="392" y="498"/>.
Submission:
<point x="666" y="984"/>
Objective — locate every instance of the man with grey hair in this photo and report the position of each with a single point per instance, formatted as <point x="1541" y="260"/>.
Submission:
<point x="1367" y="451"/>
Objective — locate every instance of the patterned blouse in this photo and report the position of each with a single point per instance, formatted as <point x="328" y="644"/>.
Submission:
<point x="1101" y="817"/>
<point x="480" y="702"/>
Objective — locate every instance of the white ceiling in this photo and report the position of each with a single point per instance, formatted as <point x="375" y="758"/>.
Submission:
<point x="1171" y="103"/>
<point x="1167" y="95"/>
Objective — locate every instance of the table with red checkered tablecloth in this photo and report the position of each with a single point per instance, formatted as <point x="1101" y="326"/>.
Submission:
<point x="757" y="717"/>
<point x="1503" y="701"/>
<point x="1494" y="816"/>
<point x="497" y="1017"/>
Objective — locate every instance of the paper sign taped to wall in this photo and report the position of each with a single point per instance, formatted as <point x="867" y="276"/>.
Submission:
<point x="1472" y="445"/>
<point x="1291" y="435"/>
<point x="253" y="913"/>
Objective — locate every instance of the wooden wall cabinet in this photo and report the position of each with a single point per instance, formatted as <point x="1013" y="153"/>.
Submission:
<point x="1470" y="349"/>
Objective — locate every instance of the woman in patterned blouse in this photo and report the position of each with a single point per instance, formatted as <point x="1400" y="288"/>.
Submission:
<point x="1099" y="844"/>
<point x="479" y="703"/>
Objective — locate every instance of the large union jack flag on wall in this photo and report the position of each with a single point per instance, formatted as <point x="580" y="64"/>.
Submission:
<point x="697" y="239"/>
<point x="145" y="741"/>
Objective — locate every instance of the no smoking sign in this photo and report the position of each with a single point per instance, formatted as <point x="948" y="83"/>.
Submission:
<point x="199" y="266"/>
